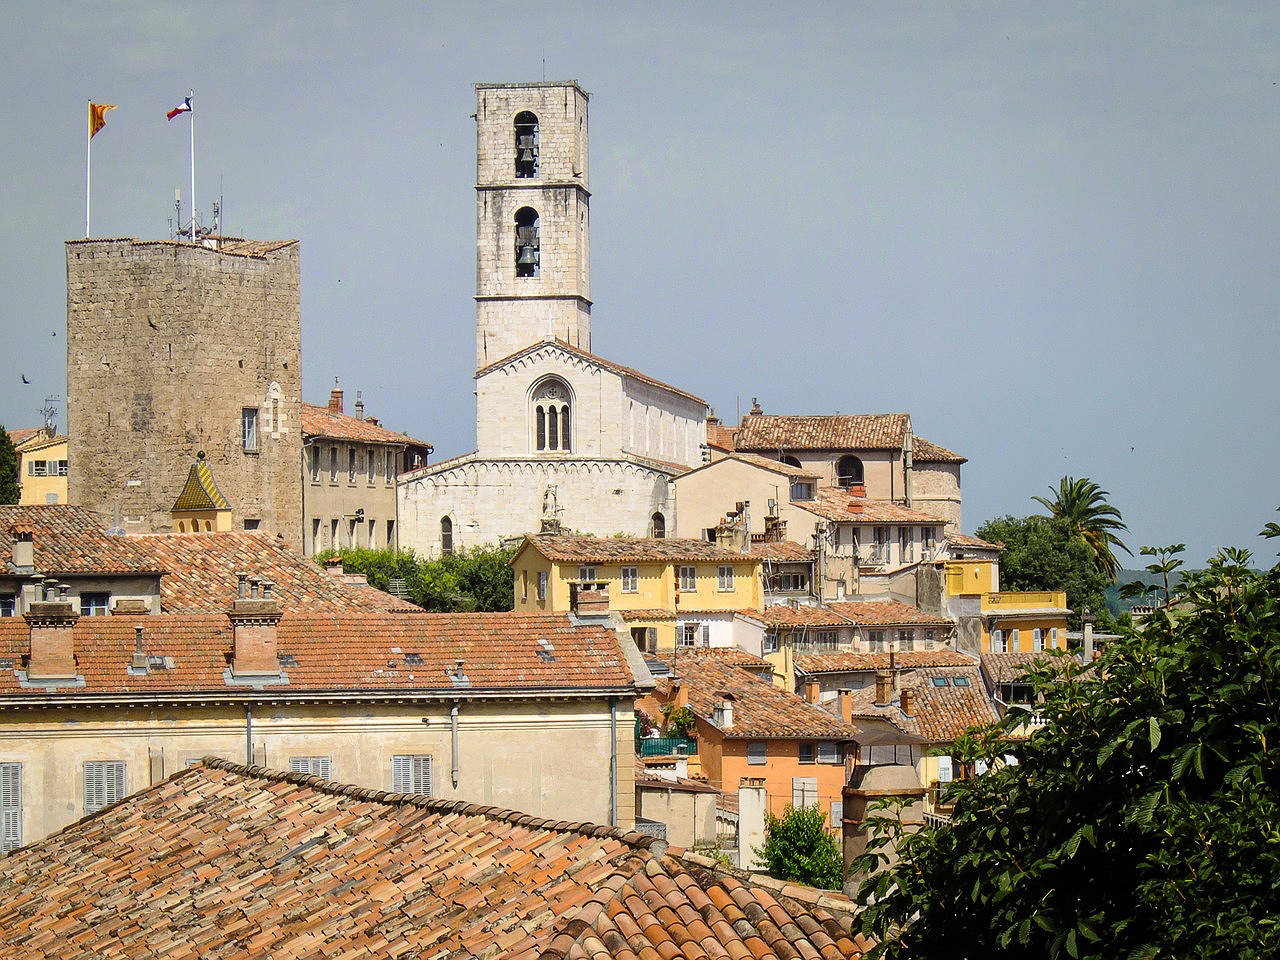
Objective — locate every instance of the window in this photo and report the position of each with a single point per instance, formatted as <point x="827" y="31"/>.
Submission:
<point x="275" y="416"/>
<point x="587" y="574"/>
<point x="1053" y="638"/>
<point x="313" y="458"/>
<point x="411" y="773"/>
<point x="8" y="604"/>
<point x="690" y="633"/>
<point x="351" y="533"/>
<point x="997" y="641"/>
<point x="630" y="580"/>
<point x="391" y="466"/>
<point x="373" y="533"/>
<point x="939" y="681"/>
<point x="1015" y="640"/>
<point x="528" y="254"/>
<point x="542" y="585"/>
<point x="446" y="536"/>
<point x="807" y="754"/>
<point x="37" y="468"/>
<point x="828" y="639"/>
<point x="551" y="428"/>
<point x="837" y="813"/>
<point x="906" y="639"/>
<point x="829" y="752"/>
<point x="849" y="471"/>
<point x="875" y="640"/>
<point x="351" y="465"/>
<point x="249" y="428"/>
<point x="801" y="490"/>
<point x="103" y="783"/>
<point x="960" y="681"/>
<point x="95" y="604"/>
<point x="904" y="545"/>
<point x="315" y="535"/>
<point x="250" y="523"/>
<point x="688" y="579"/>
<point x="371" y="460"/>
<point x="333" y="464"/>
<point x="789" y="582"/>
<point x="928" y="538"/>
<point x="757" y="752"/>
<point x="391" y="534"/>
<point x="333" y="534"/>
<point x="1037" y="639"/>
<point x="313" y="766"/>
<point x="724" y="577"/>
<point x="10" y="806"/>
<point x="789" y="460"/>
<point x="527" y="145"/>
<point x="928" y="639"/>
<point x="944" y="769"/>
<point x="769" y="643"/>
<point x="657" y="526"/>
<point x="804" y="792"/>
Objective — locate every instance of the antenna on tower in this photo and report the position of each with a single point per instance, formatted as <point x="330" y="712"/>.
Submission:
<point x="177" y="213"/>
<point x="50" y="412"/>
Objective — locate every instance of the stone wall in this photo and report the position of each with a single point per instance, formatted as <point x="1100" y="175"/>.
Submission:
<point x="167" y="344"/>
<point x="935" y="489"/>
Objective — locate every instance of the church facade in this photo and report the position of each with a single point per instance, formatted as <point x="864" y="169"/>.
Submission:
<point x="563" y="436"/>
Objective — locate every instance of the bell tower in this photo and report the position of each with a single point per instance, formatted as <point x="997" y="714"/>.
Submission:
<point x="533" y="263"/>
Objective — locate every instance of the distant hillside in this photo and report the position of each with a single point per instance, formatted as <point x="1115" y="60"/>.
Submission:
<point x="1118" y="604"/>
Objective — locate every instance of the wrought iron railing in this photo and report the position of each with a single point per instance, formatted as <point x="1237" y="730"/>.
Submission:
<point x="666" y="746"/>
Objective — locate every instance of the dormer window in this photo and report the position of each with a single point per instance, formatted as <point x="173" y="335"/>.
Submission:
<point x="526" y="145"/>
<point x="801" y="490"/>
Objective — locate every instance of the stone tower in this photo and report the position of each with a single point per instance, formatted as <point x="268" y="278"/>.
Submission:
<point x="533" y="265"/>
<point x="175" y="348"/>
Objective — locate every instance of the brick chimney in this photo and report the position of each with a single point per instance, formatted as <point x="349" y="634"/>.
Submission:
<point x="359" y="406"/>
<point x="51" y="621"/>
<point x="24" y="551"/>
<point x="812" y="691"/>
<point x="884" y="687"/>
<point x="335" y="397"/>
<point x="254" y="616"/>
<point x="907" y="699"/>
<point x="334" y="567"/>
<point x="844" y="698"/>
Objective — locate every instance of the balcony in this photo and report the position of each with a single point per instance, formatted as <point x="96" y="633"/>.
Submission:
<point x="1025" y="601"/>
<point x="666" y="747"/>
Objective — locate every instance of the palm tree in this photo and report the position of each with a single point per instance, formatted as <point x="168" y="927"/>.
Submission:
<point x="1083" y="505"/>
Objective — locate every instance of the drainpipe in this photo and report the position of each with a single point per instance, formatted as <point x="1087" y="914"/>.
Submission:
<point x="248" y="734"/>
<point x="908" y="459"/>
<point x="453" y="729"/>
<point x="613" y="762"/>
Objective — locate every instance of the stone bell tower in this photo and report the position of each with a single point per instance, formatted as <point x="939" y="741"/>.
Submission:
<point x="533" y="264"/>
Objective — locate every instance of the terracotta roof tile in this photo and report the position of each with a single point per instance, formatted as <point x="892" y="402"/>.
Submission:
<point x="651" y="614"/>
<point x="965" y="540"/>
<point x="362" y="651"/>
<point x="323" y="422"/>
<point x="1008" y="667"/>
<point x="760" y="709"/>
<point x="940" y="713"/>
<point x="802" y="615"/>
<point x="853" y="662"/>
<point x="783" y="550"/>
<point x="718" y="435"/>
<point x="834" y="503"/>
<point x="283" y="865"/>
<point x="771" y="463"/>
<point x="925" y="451"/>
<point x="575" y="549"/>
<point x="71" y="540"/>
<point x="768" y="434"/>
<point x="23" y="433"/>
<point x="886" y="613"/>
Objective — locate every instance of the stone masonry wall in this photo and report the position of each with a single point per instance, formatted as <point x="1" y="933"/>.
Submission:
<point x="166" y="344"/>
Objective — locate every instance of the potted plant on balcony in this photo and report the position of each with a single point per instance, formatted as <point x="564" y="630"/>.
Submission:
<point x="680" y="723"/>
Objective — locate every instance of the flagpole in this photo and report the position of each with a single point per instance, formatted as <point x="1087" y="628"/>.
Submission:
<point x="191" y="94"/>
<point x="88" y="167"/>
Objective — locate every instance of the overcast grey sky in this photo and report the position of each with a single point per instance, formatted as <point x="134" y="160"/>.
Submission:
<point x="1048" y="231"/>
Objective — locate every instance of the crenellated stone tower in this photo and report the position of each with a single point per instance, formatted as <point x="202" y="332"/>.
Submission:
<point x="533" y="264"/>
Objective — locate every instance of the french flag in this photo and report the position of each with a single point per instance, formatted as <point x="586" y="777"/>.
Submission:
<point x="183" y="107"/>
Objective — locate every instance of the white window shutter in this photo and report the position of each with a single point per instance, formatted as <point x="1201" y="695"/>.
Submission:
<point x="944" y="769"/>
<point x="401" y="775"/>
<point x="10" y="806"/>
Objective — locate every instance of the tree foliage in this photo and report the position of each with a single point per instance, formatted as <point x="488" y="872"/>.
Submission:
<point x="798" y="847"/>
<point x="480" y="579"/>
<point x="1142" y="821"/>
<point x="8" y="468"/>
<point x="1082" y="504"/>
<point x="1041" y="553"/>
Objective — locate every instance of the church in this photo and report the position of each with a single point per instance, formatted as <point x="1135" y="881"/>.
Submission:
<point x="564" y="438"/>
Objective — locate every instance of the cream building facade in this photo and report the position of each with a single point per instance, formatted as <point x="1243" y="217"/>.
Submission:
<point x="42" y="465"/>
<point x="562" y="435"/>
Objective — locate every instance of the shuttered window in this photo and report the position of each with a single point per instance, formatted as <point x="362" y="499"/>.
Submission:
<point x="10" y="806"/>
<point x="828" y="752"/>
<point x="103" y="783"/>
<point x="757" y="752"/>
<point x="411" y="773"/>
<point x="837" y="813"/>
<point x="315" y="766"/>
<point x="804" y="792"/>
<point x="630" y="579"/>
<point x="724" y="577"/>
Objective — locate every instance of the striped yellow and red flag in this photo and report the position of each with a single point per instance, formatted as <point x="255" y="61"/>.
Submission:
<point x="97" y="116"/>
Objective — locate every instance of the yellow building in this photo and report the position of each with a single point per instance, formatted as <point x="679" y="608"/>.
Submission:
<point x="669" y="591"/>
<point x="42" y="465"/>
<point x="201" y="505"/>
<point x="1024" y="622"/>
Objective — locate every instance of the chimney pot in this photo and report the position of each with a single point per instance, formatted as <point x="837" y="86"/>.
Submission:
<point x="359" y="405"/>
<point x="242" y="586"/>
<point x="52" y="647"/>
<point x="457" y="670"/>
<point x="139" y="661"/>
<point x="23" y="549"/>
<point x="254" y="622"/>
<point x="907" y="700"/>
<point x="812" y="691"/>
<point x="335" y="397"/>
<point x="844" y="697"/>
<point x="884" y="687"/>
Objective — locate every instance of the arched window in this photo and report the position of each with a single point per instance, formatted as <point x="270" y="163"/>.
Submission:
<point x="848" y="471"/>
<point x="657" y="526"/>
<point x="550" y="408"/>
<point x="528" y="257"/>
<point x="526" y="145"/>
<point x="446" y="536"/>
<point x="789" y="460"/>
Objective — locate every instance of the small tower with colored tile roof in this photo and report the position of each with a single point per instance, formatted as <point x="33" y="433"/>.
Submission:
<point x="201" y="506"/>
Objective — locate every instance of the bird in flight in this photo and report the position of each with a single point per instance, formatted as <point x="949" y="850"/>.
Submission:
<point x="24" y="379"/>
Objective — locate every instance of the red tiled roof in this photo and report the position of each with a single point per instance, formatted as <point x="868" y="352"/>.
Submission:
<point x="348" y="652"/>
<point x="784" y="550"/>
<point x="585" y="355"/>
<point x="22" y="433"/>
<point x="224" y="860"/>
<point x="886" y="613"/>
<point x="71" y="540"/>
<point x="725" y="656"/>
<point x="651" y="614"/>
<point x="852" y="662"/>
<point x="201" y="573"/>
<point x="777" y="466"/>
<point x="925" y="451"/>
<point x="879" y="431"/>
<point x="802" y="615"/>
<point x="1009" y="667"/>
<point x="832" y="503"/>
<point x="323" y="422"/>
<point x="964" y="540"/>
<point x="37" y="439"/>
<point x="760" y="710"/>
<point x="575" y="549"/>
<point x="718" y="435"/>
<point x="940" y="713"/>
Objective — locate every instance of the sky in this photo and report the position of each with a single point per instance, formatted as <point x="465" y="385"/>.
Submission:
<point x="1048" y="231"/>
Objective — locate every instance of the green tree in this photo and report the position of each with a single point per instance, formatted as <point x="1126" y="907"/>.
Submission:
<point x="1142" y="821"/>
<point x="1042" y="554"/>
<point x="480" y="579"/>
<point x="798" y="847"/>
<point x="8" y="468"/>
<point x="1083" y="505"/>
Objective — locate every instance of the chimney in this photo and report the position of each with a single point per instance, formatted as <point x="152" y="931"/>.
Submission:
<point x="752" y="804"/>
<point x="586" y="602"/>
<point x="844" y="698"/>
<point x="1087" y="630"/>
<point x="359" y="406"/>
<point x="24" y="549"/>
<point x="254" y="620"/>
<point x="723" y="715"/>
<point x="139" y="661"/>
<point x="335" y="397"/>
<point x="884" y="687"/>
<point x="812" y="691"/>
<point x="756" y="409"/>
<point x="906" y="699"/>
<point x="51" y="621"/>
<point x="682" y="766"/>
<point x="679" y="696"/>
<point x="334" y="568"/>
